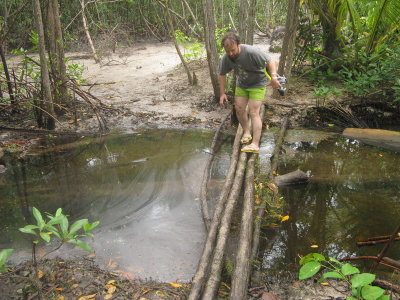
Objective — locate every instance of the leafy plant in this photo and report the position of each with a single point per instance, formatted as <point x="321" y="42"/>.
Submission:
<point x="58" y="226"/>
<point x="193" y="48"/>
<point x="323" y="92"/>
<point x="359" y="283"/>
<point x="4" y="254"/>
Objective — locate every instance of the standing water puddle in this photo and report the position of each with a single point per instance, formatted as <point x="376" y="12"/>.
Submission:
<point x="143" y="189"/>
<point x="354" y="194"/>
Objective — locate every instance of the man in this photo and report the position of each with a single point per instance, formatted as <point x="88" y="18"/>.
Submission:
<point x="250" y="64"/>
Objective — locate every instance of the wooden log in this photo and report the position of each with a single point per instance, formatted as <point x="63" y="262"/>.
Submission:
<point x="297" y="177"/>
<point x="241" y="273"/>
<point x="203" y="189"/>
<point x="216" y="266"/>
<point x="199" y="278"/>
<point x="376" y="137"/>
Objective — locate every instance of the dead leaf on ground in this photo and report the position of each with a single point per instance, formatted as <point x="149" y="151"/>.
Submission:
<point x="88" y="297"/>
<point x="175" y="284"/>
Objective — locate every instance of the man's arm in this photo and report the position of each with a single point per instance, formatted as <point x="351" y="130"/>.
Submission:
<point x="222" y="95"/>
<point x="273" y="71"/>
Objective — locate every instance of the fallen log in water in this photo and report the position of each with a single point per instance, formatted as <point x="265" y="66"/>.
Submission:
<point x="294" y="178"/>
<point x="376" y="137"/>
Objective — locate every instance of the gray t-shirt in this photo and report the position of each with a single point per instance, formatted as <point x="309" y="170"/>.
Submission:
<point x="250" y="65"/>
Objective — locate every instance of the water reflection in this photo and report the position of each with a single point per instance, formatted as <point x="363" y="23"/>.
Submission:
<point x="142" y="187"/>
<point x="354" y="194"/>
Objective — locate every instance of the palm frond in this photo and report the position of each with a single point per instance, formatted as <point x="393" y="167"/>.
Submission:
<point x="385" y="23"/>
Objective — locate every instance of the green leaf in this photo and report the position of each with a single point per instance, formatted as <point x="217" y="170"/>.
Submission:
<point x="64" y="224"/>
<point x="331" y="275"/>
<point x="38" y="217"/>
<point x="332" y="259"/>
<point x="370" y="292"/>
<point x="29" y="229"/>
<point x="87" y="227"/>
<point x="348" y="269"/>
<point x="309" y="269"/>
<point x="363" y="279"/>
<point x="59" y="212"/>
<point x="81" y="244"/>
<point x="45" y="236"/>
<point x="384" y="297"/>
<point x="4" y="254"/>
<point x="77" y="225"/>
<point x="53" y="230"/>
<point x="312" y="257"/>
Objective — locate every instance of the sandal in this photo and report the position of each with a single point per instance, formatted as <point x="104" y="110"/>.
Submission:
<point x="250" y="149"/>
<point x="245" y="139"/>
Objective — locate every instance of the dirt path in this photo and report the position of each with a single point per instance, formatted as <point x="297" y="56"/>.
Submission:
<point x="148" y="84"/>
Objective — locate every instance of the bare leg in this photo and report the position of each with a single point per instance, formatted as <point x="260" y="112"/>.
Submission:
<point x="254" y="111"/>
<point x="241" y="113"/>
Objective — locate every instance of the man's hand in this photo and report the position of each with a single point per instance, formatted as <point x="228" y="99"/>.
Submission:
<point x="222" y="99"/>
<point x="274" y="83"/>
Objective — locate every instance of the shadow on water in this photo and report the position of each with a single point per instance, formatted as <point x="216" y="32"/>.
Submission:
<point x="142" y="188"/>
<point x="354" y="194"/>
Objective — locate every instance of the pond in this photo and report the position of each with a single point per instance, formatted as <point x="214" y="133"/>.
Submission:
<point x="353" y="195"/>
<point x="144" y="189"/>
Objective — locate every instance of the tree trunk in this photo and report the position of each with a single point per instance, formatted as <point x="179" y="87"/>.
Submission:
<point x="85" y="26"/>
<point x="56" y="50"/>
<point x="211" y="47"/>
<point x="247" y="11"/>
<point x="7" y="74"/>
<point x="45" y="78"/>
<point x="288" y="45"/>
<point x="172" y="33"/>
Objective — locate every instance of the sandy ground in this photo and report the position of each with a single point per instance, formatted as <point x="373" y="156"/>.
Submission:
<point x="149" y="85"/>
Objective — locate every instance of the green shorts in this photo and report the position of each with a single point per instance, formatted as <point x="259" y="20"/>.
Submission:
<point x="251" y="94"/>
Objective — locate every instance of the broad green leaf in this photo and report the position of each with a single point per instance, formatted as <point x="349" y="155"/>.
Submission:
<point x="333" y="274"/>
<point x="348" y="269"/>
<point x="81" y="244"/>
<point x="45" y="236"/>
<point x="59" y="212"/>
<point x="363" y="279"/>
<point x="312" y="257"/>
<point x="332" y="259"/>
<point x="55" y="220"/>
<point x="309" y="269"/>
<point x="53" y="230"/>
<point x="38" y="217"/>
<point x="77" y="225"/>
<point x="4" y="254"/>
<point x="370" y="292"/>
<point x="27" y="230"/>
<point x="384" y="297"/>
<point x="64" y="224"/>
<point x="87" y="227"/>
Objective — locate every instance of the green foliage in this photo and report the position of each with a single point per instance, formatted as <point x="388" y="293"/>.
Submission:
<point x="219" y="34"/>
<point x="323" y="92"/>
<point x="58" y="226"/>
<point x="375" y="74"/>
<point x="359" y="283"/>
<point x="4" y="254"/>
<point x="75" y="71"/>
<point x="193" y="48"/>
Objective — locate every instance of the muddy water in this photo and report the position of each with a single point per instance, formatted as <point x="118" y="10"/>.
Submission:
<point x="354" y="194"/>
<point x="143" y="188"/>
